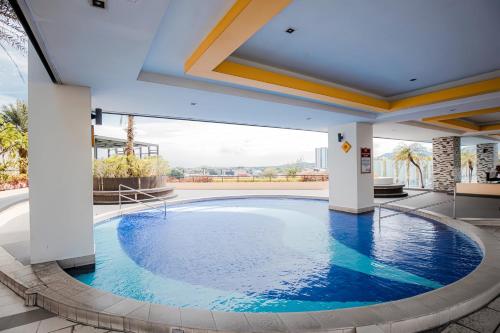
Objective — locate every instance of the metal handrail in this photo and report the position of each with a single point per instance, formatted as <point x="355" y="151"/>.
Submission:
<point x="120" y="195"/>
<point x="453" y="200"/>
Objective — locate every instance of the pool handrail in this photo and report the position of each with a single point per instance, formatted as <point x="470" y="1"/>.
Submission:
<point x="453" y="200"/>
<point x="130" y="189"/>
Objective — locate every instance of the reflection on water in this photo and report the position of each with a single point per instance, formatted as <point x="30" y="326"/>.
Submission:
<point x="275" y="255"/>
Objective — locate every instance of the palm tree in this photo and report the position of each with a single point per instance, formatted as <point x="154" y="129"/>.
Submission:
<point x="11" y="33"/>
<point x="17" y="115"/>
<point x="129" y="148"/>
<point x="410" y="154"/>
<point x="468" y="159"/>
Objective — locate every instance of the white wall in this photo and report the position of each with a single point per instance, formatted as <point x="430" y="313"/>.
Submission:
<point x="350" y="190"/>
<point x="60" y="168"/>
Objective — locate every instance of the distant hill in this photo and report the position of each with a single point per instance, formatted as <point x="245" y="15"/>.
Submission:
<point x="301" y="165"/>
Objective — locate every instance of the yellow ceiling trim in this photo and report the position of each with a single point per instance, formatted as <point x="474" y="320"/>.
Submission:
<point x="457" y="124"/>
<point x="466" y="90"/>
<point x="493" y="127"/>
<point x="463" y="114"/>
<point x="453" y="121"/>
<point x="461" y="124"/>
<point x="246" y="17"/>
<point x="295" y="86"/>
<point x="216" y="32"/>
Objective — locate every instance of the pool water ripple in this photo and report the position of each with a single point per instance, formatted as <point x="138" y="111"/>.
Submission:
<point x="274" y="255"/>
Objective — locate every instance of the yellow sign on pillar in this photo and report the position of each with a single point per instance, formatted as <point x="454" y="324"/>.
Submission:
<point x="346" y="146"/>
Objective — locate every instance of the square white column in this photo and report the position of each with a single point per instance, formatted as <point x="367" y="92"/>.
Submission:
<point x="60" y="170"/>
<point x="350" y="189"/>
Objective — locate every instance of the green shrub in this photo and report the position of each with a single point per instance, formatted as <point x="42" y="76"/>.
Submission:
<point x="120" y="166"/>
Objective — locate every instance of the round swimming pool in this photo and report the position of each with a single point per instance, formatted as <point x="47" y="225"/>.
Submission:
<point x="274" y="255"/>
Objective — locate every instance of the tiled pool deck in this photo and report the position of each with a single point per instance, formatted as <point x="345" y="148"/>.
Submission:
<point x="49" y="287"/>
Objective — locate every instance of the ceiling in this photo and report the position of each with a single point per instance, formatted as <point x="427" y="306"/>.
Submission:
<point x="378" y="46"/>
<point x="133" y="55"/>
<point x="184" y="24"/>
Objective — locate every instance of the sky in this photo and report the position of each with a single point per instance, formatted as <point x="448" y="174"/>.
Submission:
<point x="382" y="146"/>
<point x="193" y="144"/>
<point x="12" y="86"/>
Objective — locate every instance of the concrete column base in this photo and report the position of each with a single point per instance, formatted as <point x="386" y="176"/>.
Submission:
<point x="78" y="262"/>
<point x="352" y="210"/>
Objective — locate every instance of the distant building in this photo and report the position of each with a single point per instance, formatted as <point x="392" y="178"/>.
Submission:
<point x="321" y="158"/>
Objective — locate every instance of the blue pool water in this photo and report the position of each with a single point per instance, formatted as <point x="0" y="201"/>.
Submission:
<point x="274" y="255"/>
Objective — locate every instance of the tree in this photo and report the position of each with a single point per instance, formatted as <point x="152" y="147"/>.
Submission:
<point x="17" y="116"/>
<point x="292" y="171"/>
<point x="11" y="33"/>
<point x="468" y="160"/>
<point x="410" y="154"/>
<point x="269" y="172"/>
<point x="177" y="173"/>
<point x="11" y="140"/>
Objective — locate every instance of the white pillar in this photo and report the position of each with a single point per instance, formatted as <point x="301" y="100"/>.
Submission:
<point x="350" y="190"/>
<point x="60" y="170"/>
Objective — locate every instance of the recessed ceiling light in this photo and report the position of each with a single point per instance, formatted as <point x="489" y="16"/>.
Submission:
<point x="290" y="30"/>
<point x="99" y="3"/>
<point x="414" y="79"/>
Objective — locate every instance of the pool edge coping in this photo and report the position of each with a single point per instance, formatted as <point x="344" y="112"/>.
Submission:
<point x="49" y="287"/>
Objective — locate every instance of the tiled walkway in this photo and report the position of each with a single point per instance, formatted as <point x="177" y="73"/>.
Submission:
<point x="486" y="320"/>
<point x="15" y="317"/>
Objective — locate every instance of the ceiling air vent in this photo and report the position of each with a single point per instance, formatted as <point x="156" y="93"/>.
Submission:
<point x="99" y="3"/>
